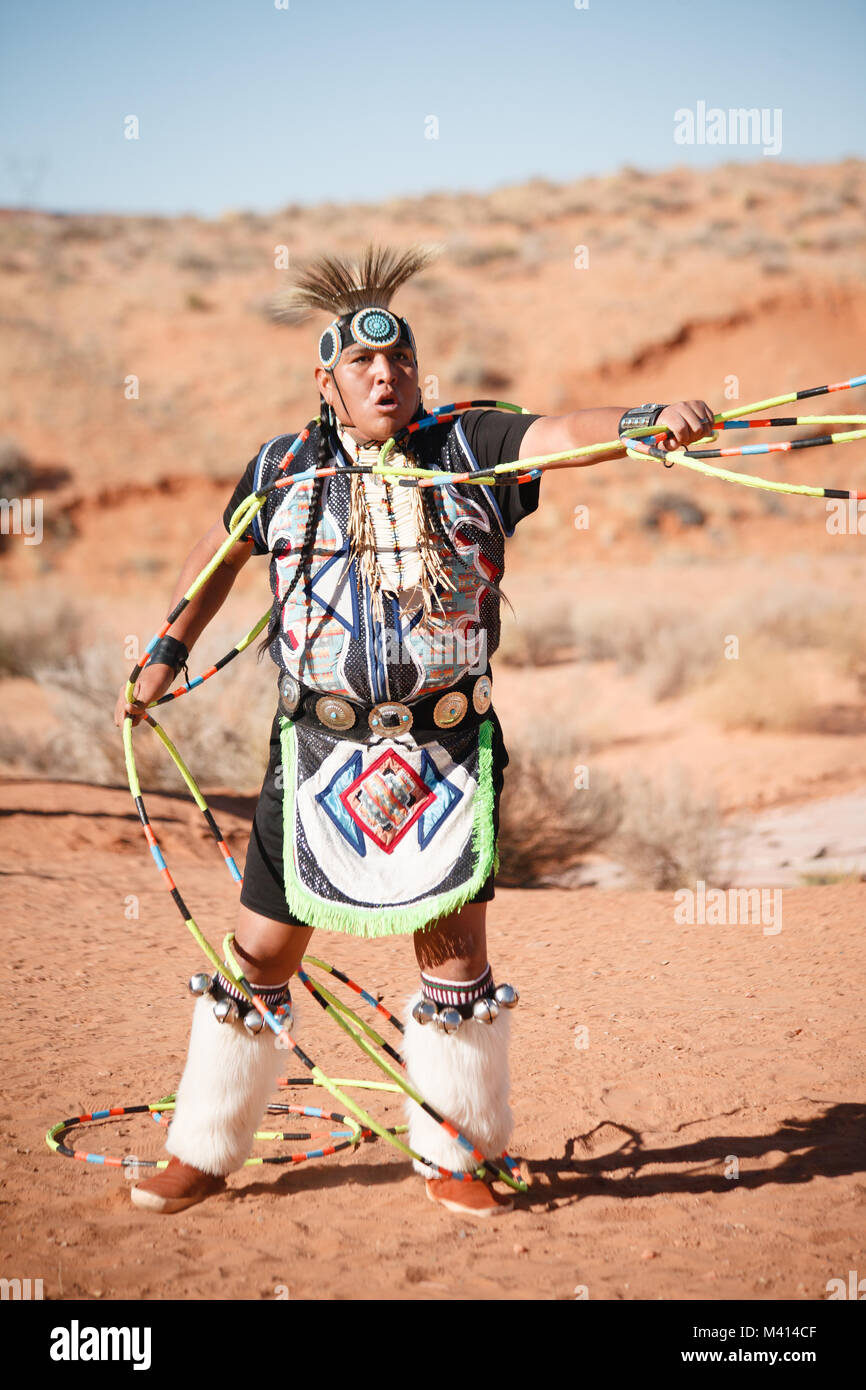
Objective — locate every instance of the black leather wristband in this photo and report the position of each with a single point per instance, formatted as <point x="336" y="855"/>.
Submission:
<point x="641" y="416"/>
<point x="168" y="651"/>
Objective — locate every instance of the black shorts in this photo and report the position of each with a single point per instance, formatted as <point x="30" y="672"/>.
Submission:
<point x="264" y="887"/>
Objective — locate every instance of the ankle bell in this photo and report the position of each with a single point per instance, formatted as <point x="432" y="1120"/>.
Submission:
<point x="450" y="1017"/>
<point x="230" y="1004"/>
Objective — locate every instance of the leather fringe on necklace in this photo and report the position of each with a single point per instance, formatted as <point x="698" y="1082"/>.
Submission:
<point x="391" y="535"/>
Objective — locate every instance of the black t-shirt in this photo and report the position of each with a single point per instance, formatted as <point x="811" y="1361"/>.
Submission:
<point x="494" y="436"/>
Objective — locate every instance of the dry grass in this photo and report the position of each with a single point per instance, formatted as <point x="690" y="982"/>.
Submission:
<point x="799" y="619"/>
<point x="675" y="649"/>
<point x="670" y="649"/>
<point x="463" y="252"/>
<point x="665" y="831"/>
<point x="683" y="653"/>
<point x="770" y="686"/>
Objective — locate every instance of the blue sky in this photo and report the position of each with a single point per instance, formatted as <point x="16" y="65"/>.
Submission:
<point x="241" y="104"/>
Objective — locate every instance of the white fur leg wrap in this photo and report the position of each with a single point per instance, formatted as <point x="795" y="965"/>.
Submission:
<point x="464" y="1076"/>
<point x="225" y="1087"/>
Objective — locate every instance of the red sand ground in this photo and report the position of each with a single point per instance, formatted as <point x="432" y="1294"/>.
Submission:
<point x="705" y="1045"/>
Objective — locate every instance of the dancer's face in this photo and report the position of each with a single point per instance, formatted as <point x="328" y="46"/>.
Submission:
<point x="379" y="387"/>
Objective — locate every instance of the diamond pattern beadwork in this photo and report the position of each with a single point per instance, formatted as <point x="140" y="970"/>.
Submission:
<point x="387" y="799"/>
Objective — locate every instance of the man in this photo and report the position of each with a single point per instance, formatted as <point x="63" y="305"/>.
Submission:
<point x="379" y="809"/>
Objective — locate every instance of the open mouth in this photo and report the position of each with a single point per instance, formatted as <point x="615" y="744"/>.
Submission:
<point x="387" y="403"/>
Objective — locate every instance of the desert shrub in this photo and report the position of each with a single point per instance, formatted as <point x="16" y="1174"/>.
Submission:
<point x="682" y="508"/>
<point x="670" y="649"/>
<point x="805" y="617"/>
<point x="764" y="689"/>
<point x="197" y="303"/>
<point x="535" y="637"/>
<point x="191" y="259"/>
<point x="681" y="654"/>
<point x="16" y="470"/>
<point x="221" y="732"/>
<point x="472" y="254"/>
<point x="28" y="641"/>
<point x="670" y="832"/>
<point x="674" y="648"/>
<point x="85" y="228"/>
<point x="605" y="630"/>
<point x="546" y="824"/>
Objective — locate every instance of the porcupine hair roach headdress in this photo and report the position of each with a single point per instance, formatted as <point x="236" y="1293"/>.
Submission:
<point x="340" y="286"/>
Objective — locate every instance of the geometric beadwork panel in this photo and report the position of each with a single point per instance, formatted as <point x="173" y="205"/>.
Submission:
<point x="330" y="802"/>
<point x="447" y="797"/>
<point x="387" y="799"/>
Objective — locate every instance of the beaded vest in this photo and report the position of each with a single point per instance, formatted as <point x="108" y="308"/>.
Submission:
<point x="346" y="632"/>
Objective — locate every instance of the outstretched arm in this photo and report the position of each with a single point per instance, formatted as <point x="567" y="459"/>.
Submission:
<point x="688" y="421"/>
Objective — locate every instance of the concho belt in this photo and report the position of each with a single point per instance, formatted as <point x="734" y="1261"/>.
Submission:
<point x="465" y="703"/>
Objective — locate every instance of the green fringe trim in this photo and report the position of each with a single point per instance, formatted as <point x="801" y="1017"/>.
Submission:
<point x="388" y="921"/>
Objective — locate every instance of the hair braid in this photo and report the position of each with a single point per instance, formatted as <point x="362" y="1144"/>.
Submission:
<point x="305" y="558"/>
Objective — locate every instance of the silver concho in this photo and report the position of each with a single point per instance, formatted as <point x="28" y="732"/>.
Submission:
<point x="290" y="694"/>
<point x="482" y="695"/>
<point x="450" y="709"/>
<point x="334" y="713"/>
<point x="390" y="717"/>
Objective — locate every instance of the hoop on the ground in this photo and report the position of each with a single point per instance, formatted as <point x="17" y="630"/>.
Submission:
<point x="346" y="1138"/>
